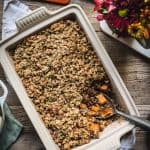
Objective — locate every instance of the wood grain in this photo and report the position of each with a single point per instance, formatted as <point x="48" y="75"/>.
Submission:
<point x="1" y="13"/>
<point x="133" y="68"/>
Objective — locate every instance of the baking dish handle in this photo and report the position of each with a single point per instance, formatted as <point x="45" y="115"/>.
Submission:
<point x="33" y="18"/>
<point x="111" y="143"/>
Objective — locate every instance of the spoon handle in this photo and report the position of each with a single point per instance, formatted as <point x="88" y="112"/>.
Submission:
<point x="138" y="121"/>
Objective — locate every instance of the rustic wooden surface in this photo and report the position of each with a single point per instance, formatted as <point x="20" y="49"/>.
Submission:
<point x="133" y="68"/>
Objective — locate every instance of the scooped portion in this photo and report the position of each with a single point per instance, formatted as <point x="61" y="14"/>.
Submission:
<point x="63" y="77"/>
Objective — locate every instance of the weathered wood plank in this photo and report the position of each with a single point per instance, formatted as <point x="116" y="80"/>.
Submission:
<point x="28" y="141"/>
<point x="1" y="13"/>
<point x="142" y="141"/>
<point x="133" y="68"/>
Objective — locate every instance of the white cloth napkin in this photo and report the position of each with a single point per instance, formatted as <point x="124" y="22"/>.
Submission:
<point x="14" y="9"/>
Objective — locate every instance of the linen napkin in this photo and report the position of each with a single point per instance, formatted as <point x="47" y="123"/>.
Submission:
<point x="11" y="130"/>
<point x="8" y="28"/>
<point x="12" y="10"/>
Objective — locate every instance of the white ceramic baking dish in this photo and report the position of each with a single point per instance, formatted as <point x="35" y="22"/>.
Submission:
<point x="109" y="139"/>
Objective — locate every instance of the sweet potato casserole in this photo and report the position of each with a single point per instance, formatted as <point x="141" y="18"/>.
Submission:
<point x="65" y="80"/>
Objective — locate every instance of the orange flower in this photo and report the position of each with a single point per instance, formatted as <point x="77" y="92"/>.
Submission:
<point x="146" y="34"/>
<point x="138" y="31"/>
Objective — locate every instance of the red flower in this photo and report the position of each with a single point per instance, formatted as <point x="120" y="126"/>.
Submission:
<point x="100" y="17"/>
<point x="118" y="24"/>
<point x="103" y="7"/>
<point x="98" y="2"/>
<point x="118" y="14"/>
<point x="103" y="3"/>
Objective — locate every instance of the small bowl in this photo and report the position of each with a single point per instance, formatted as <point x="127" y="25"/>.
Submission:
<point x="2" y="101"/>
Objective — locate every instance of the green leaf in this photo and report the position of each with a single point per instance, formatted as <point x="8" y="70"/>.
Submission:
<point x="104" y="10"/>
<point x="123" y="12"/>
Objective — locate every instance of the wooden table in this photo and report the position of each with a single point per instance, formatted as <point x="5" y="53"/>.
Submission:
<point x="133" y="68"/>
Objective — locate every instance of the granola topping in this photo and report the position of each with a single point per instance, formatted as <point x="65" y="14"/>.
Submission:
<point x="57" y="66"/>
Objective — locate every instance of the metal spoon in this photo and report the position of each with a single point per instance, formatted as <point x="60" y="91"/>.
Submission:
<point x="138" y="121"/>
<point x="2" y="101"/>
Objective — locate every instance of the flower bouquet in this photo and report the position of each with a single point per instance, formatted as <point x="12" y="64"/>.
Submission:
<point x="126" y="20"/>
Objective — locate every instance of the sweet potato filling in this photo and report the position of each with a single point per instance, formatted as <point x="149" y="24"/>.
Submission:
<point x="64" y="78"/>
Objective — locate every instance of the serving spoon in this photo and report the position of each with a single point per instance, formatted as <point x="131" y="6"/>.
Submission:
<point x="2" y="101"/>
<point x="138" y="121"/>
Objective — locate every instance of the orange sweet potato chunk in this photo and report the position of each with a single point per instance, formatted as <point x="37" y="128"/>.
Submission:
<point x="106" y="112"/>
<point x="94" y="127"/>
<point x="104" y="87"/>
<point x="101" y="99"/>
<point x="95" y="108"/>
